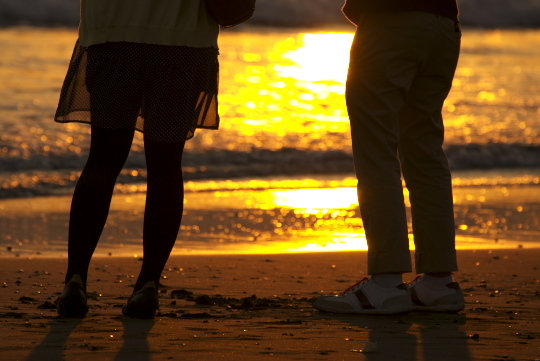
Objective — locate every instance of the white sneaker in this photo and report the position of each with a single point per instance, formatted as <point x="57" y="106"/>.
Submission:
<point x="367" y="297"/>
<point x="428" y="297"/>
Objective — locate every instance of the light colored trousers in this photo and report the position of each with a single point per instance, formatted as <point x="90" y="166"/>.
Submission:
<point x="401" y="70"/>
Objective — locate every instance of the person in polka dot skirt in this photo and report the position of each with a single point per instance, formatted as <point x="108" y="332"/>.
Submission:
<point x="150" y="66"/>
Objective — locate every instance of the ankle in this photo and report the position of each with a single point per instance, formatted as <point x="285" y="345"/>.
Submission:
<point x="76" y="278"/>
<point x="140" y="285"/>
<point x="439" y="274"/>
<point x="439" y="278"/>
<point x="149" y="284"/>
<point x="388" y="279"/>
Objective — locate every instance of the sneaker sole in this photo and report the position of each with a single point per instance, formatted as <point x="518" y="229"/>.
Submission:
<point x="450" y="303"/>
<point x="440" y="308"/>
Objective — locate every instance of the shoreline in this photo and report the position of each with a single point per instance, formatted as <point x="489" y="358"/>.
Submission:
<point x="258" y="306"/>
<point x="273" y="216"/>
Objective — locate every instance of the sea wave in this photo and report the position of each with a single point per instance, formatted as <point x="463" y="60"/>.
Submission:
<point x="284" y="161"/>
<point x="27" y="176"/>
<point x="296" y="13"/>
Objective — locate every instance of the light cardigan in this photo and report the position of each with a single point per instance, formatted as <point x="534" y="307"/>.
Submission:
<point x="162" y="22"/>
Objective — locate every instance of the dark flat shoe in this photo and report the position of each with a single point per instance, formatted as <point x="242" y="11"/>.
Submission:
<point x="72" y="301"/>
<point x="142" y="304"/>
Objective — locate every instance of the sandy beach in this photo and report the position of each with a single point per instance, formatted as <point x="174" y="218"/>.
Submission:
<point x="246" y="307"/>
<point x="241" y="279"/>
<point x="240" y="283"/>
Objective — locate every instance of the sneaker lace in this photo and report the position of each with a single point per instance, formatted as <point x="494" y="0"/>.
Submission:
<point x="355" y="286"/>
<point x="416" y="280"/>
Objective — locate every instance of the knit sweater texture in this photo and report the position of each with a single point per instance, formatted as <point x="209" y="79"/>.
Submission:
<point x="162" y="22"/>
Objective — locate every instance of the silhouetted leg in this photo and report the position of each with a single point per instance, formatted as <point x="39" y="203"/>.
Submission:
<point x="92" y="197"/>
<point x="424" y="162"/>
<point x="115" y="101"/>
<point x="164" y="206"/>
<point x="383" y="64"/>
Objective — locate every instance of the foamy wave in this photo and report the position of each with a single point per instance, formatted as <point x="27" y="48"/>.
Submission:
<point x="40" y="175"/>
<point x="491" y="156"/>
<point x="492" y="13"/>
<point x="284" y="161"/>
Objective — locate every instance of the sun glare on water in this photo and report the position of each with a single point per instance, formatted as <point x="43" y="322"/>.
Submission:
<point x="284" y="92"/>
<point x="321" y="57"/>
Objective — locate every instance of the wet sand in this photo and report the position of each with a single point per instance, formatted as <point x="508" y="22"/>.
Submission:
<point x="267" y="218"/>
<point x="256" y="307"/>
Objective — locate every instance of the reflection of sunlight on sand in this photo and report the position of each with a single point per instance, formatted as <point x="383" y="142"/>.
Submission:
<point x="305" y="241"/>
<point x="336" y="242"/>
<point x="328" y="242"/>
<point x="269" y="217"/>
<point x="314" y="200"/>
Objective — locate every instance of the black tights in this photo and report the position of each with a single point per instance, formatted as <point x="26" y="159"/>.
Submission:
<point x="92" y="198"/>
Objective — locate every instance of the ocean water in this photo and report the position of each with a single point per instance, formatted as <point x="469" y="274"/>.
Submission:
<point x="282" y="107"/>
<point x="291" y="13"/>
<point x="284" y="142"/>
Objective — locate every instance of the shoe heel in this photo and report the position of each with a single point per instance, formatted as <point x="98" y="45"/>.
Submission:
<point x="72" y="302"/>
<point x="142" y="304"/>
<point x="72" y="311"/>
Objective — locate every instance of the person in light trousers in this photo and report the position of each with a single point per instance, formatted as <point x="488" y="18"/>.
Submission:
<point x="402" y="64"/>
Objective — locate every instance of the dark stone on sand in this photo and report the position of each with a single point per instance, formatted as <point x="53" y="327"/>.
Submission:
<point x="47" y="306"/>
<point x="181" y="294"/>
<point x="246" y="303"/>
<point x="196" y="315"/>
<point x="168" y="314"/>
<point x="13" y="315"/>
<point x="25" y="299"/>
<point x="204" y="300"/>
<point x="290" y="322"/>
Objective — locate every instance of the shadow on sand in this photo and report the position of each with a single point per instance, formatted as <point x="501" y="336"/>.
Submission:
<point x="430" y="337"/>
<point x="136" y="346"/>
<point x="53" y="346"/>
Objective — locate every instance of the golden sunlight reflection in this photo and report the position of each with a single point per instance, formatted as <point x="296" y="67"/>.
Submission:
<point x="313" y="200"/>
<point x="281" y="99"/>
<point x="321" y="57"/>
<point x="336" y="242"/>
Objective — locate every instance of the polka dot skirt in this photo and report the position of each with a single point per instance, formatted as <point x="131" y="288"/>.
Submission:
<point x="164" y="91"/>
